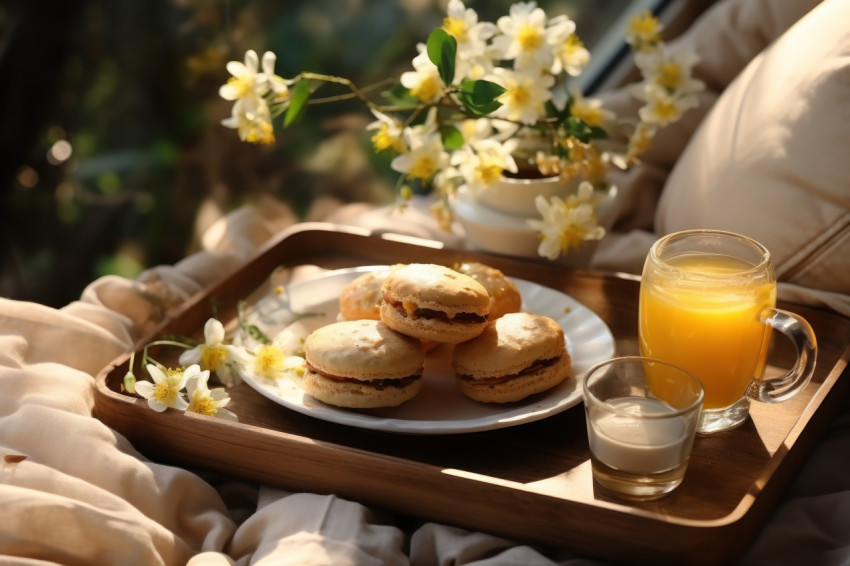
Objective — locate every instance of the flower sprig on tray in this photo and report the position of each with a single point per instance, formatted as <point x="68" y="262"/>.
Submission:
<point x="182" y="388"/>
<point x="186" y="387"/>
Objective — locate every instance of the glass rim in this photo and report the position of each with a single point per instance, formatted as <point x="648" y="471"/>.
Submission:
<point x="766" y="258"/>
<point x="588" y="395"/>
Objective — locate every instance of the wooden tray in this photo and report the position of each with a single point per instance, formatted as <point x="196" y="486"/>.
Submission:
<point x="531" y="482"/>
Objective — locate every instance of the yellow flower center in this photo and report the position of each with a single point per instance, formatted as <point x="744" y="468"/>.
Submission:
<point x="571" y="237"/>
<point x="259" y="131"/>
<point x="269" y="361"/>
<point x="280" y="96"/>
<point x="666" y="111"/>
<point x="426" y="90"/>
<point x="167" y="391"/>
<point x="241" y="85"/>
<point x="592" y="116"/>
<point x="670" y="76"/>
<point x="529" y="38"/>
<point x="204" y="406"/>
<point x="423" y="168"/>
<point x="383" y="140"/>
<point x="571" y="45"/>
<point x="518" y="95"/>
<point x="456" y="27"/>
<point x="488" y="173"/>
<point x="212" y="357"/>
<point x="644" y="27"/>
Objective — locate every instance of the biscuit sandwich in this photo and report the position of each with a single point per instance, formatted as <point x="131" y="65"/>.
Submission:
<point x="362" y="364"/>
<point x="517" y="355"/>
<point x="361" y="297"/>
<point x="433" y="302"/>
<point x="504" y="294"/>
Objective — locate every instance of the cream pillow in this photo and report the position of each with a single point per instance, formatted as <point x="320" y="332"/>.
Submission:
<point x="729" y="35"/>
<point x="772" y="158"/>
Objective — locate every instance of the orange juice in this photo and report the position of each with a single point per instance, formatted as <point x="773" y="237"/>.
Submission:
<point x="706" y="320"/>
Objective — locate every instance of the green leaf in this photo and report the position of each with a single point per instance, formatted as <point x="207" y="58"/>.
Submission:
<point x="442" y="51"/>
<point x="297" y="104"/>
<point x="451" y="136"/>
<point x="552" y="111"/>
<point x="578" y="129"/>
<point x="479" y="97"/>
<point x="598" y="133"/>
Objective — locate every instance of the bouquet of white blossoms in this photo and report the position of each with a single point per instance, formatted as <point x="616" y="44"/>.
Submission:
<point x="486" y="100"/>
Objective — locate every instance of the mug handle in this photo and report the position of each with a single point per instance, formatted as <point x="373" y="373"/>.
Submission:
<point x="800" y="332"/>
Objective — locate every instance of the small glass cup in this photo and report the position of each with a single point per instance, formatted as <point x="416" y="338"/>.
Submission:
<point x="708" y="305"/>
<point x="641" y="420"/>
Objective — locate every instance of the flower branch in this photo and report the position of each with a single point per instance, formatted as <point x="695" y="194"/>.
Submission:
<point x="479" y="96"/>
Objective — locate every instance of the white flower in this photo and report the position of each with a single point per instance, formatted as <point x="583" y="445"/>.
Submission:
<point x="424" y="82"/>
<point x="571" y="56"/>
<point x="482" y="162"/>
<point x="290" y="342"/>
<point x="445" y="181"/>
<point x="164" y="391"/>
<point x="246" y="81"/>
<point x="426" y="156"/>
<point x="268" y="361"/>
<point x="207" y="402"/>
<point x="525" y="95"/>
<point x="671" y="69"/>
<point x="471" y="35"/>
<point x="590" y="111"/>
<point x="283" y="357"/>
<point x="276" y="84"/>
<point x="251" y="117"/>
<point x="473" y="60"/>
<point x="214" y="354"/>
<point x="505" y="130"/>
<point x="474" y="68"/>
<point x="486" y="128"/>
<point x="662" y="107"/>
<point x="644" y="31"/>
<point x="475" y="129"/>
<point x="390" y="134"/>
<point x="527" y="39"/>
<point x="566" y="223"/>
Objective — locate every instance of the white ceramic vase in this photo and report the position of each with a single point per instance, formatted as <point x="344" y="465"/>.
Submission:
<point x="495" y="219"/>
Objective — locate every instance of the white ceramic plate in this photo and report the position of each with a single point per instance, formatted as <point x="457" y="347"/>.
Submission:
<point x="439" y="408"/>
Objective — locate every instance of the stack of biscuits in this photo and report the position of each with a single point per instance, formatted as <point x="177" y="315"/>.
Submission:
<point x="390" y="318"/>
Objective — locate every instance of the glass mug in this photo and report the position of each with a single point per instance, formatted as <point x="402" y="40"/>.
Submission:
<point x="708" y="304"/>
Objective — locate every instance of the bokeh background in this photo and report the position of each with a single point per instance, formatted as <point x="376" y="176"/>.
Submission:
<point x="112" y="156"/>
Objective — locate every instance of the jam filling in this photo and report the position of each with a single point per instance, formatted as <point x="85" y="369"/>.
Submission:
<point x="533" y="368"/>
<point x="379" y="384"/>
<point x="439" y="315"/>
